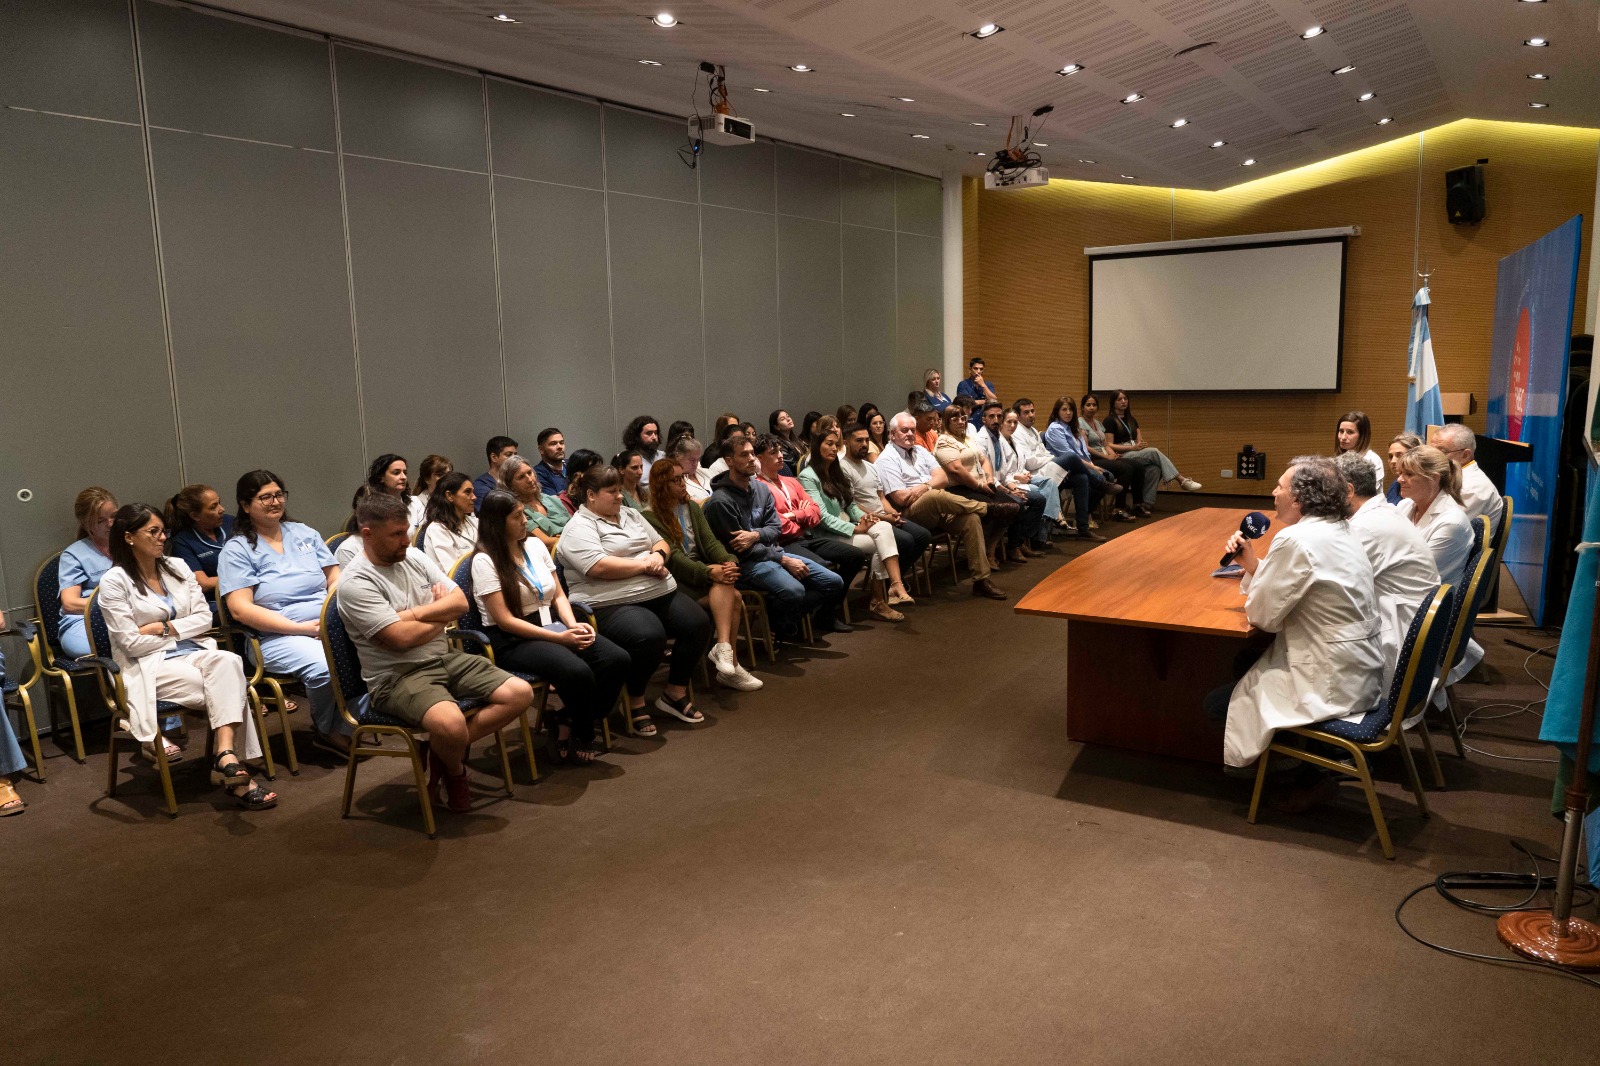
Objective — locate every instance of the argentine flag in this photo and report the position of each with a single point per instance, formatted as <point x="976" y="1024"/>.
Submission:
<point x="1423" y="406"/>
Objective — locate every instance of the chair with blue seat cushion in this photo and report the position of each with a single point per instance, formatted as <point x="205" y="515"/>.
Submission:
<point x="350" y="696"/>
<point x="54" y="665"/>
<point x="1381" y="727"/>
<point x="468" y="635"/>
<point x="1469" y="599"/>
<point x="334" y="541"/>
<point x="263" y="687"/>
<point x="15" y="687"/>
<point x="115" y="694"/>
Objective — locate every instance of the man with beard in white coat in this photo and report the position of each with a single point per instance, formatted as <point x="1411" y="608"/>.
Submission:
<point x="1403" y="571"/>
<point x="1314" y="590"/>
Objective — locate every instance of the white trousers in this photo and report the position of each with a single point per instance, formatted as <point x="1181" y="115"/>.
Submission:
<point x="878" y="542"/>
<point x="210" y="681"/>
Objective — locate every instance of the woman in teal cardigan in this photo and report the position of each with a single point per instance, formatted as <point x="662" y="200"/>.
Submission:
<point x="841" y="518"/>
<point x="702" y="567"/>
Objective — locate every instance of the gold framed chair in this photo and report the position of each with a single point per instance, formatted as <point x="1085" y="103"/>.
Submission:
<point x="1468" y="601"/>
<point x="334" y="541"/>
<point x="1381" y="727"/>
<point x="50" y="661"/>
<point x="263" y="687"/>
<point x="17" y="689"/>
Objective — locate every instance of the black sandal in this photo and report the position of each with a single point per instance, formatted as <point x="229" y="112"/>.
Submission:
<point x="256" y="799"/>
<point x="233" y="774"/>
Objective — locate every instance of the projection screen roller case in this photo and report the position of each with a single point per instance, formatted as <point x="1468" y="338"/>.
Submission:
<point x="1251" y="315"/>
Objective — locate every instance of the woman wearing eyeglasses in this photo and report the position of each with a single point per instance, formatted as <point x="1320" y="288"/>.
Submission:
<point x="157" y="618"/>
<point x="274" y="574"/>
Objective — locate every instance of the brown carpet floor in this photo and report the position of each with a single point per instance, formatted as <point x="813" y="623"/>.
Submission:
<point x="890" y="855"/>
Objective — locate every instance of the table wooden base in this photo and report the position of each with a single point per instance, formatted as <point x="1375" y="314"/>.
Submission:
<point x="1140" y="688"/>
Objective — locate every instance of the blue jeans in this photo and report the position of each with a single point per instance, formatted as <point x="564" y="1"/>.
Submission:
<point x="790" y="598"/>
<point x="1087" y="486"/>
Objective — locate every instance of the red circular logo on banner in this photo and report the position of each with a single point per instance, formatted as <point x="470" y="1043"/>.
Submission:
<point x="1517" y="395"/>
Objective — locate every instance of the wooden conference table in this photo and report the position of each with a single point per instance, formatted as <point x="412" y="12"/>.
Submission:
<point x="1149" y="633"/>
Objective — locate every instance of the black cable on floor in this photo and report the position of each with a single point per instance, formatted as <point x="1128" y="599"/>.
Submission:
<point x="1450" y="884"/>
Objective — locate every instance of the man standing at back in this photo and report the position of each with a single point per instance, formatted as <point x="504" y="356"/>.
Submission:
<point x="395" y="602"/>
<point x="977" y="388"/>
<point x="498" y="450"/>
<point x="551" y="471"/>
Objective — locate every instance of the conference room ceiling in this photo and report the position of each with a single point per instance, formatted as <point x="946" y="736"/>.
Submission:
<point x="1245" y="76"/>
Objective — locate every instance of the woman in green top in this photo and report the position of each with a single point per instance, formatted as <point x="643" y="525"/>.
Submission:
<point x="547" y="515"/>
<point x="841" y="518"/>
<point x="702" y="567"/>
<point x="630" y="464"/>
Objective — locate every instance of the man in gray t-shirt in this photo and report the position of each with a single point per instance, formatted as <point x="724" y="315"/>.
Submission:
<point x="395" y="603"/>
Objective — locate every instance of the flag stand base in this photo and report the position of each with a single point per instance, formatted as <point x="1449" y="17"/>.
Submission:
<point x="1533" y="933"/>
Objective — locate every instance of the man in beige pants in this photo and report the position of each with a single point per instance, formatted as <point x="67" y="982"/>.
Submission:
<point x="914" y="484"/>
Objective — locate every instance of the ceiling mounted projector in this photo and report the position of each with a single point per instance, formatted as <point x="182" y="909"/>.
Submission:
<point x="1031" y="178"/>
<point x="721" y="129"/>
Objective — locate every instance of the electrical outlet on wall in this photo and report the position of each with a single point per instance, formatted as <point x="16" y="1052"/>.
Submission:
<point x="1227" y="473"/>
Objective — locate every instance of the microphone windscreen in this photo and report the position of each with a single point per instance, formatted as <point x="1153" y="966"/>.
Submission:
<point x="1255" y="523"/>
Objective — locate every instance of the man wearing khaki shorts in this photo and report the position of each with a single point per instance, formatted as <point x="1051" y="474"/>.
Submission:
<point x="395" y="603"/>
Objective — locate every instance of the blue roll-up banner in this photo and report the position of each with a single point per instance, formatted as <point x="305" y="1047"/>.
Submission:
<point x="1565" y="701"/>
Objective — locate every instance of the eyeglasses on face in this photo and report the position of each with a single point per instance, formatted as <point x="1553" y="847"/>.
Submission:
<point x="272" y="497"/>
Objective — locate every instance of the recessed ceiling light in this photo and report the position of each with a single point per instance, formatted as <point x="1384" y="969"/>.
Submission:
<point x="1539" y="77"/>
<point x="1130" y="177"/>
<point x="1248" y="163"/>
<point x="1536" y="42"/>
<point x="1133" y="98"/>
<point x="1089" y="161"/>
<point x="980" y="154"/>
<point x="801" y="68"/>
<point x="919" y="136"/>
<point x="1385" y="120"/>
<point x="1364" y="97"/>
<point x="1533" y="1"/>
<point x="846" y="114"/>
<point x="761" y="90"/>
<point x="1536" y="104"/>
<point x="502" y="18"/>
<point x="1347" y="68"/>
<point x="1315" y="31"/>
<point x="1040" y="144"/>
<point x="903" y="99"/>
<point x="979" y="123"/>
<point x="1069" y="69"/>
<point x="1218" y="144"/>
<point x="665" y="21"/>
<point x="988" y="29"/>
<point x="649" y="63"/>
<point x="1179" y="123"/>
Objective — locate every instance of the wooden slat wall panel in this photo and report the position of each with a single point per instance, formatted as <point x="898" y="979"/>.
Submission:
<point x="1031" y="323"/>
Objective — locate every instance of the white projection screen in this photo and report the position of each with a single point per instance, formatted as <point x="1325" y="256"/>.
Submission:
<point x="1233" y="318"/>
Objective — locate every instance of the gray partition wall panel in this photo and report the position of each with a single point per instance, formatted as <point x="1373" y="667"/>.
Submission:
<point x="866" y="194"/>
<point x="87" y="399"/>
<point x="919" y="322"/>
<point x="741" y="280"/>
<point x="810" y="315"/>
<point x="642" y="156"/>
<point x="209" y="75"/>
<point x="252" y="243"/>
<point x="556" y="312"/>
<point x="919" y="204"/>
<point x="870" y="363"/>
<point x="423" y="257"/>
<point x="808" y="184"/>
<point x="738" y="175"/>
<point x="655" y="310"/>
<point x="397" y="109"/>
<point x="545" y="136"/>
<point x="75" y="58"/>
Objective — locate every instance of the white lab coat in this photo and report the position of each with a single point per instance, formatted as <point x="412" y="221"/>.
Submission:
<point x="1314" y="590"/>
<point x="1480" y="497"/>
<point x="147" y="674"/>
<point x="1448" y="531"/>
<point x="1036" y="458"/>
<point x="1403" y="571"/>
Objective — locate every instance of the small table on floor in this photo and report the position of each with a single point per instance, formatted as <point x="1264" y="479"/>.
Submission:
<point x="1149" y="633"/>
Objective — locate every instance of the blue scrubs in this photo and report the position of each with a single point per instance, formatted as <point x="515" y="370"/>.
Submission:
<point x="199" y="550"/>
<point x="84" y="566"/>
<point x="293" y="585"/>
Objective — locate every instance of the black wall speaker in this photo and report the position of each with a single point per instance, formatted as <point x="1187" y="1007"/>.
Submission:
<point x="1464" y="203"/>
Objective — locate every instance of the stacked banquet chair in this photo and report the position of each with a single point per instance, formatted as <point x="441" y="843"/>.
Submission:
<point x="1381" y="727"/>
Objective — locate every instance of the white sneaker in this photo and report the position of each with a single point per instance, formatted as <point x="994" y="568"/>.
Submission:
<point x="741" y="679"/>
<point x="722" y="657"/>
<point x="1189" y="484"/>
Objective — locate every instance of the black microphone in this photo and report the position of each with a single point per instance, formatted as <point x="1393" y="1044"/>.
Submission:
<point x="1251" y="526"/>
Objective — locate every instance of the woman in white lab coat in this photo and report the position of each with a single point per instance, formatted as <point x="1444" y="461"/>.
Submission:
<point x="1314" y="589"/>
<point x="157" y="616"/>
<point x="1430" y="496"/>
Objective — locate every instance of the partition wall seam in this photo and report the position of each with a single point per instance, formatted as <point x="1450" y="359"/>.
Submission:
<point x="155" y="232"/>
<point x="777" y="274"/>
<point x="843" y="333"/>
<point x="895" y="205"/>
<point x="611" y="302"/>
<point x="414" y="163"/>
<point x="241" y="140"/>
<point x="68" y="114"/>
<point x="349" y="256"/>
<point x="700" y="261"/>
<point x="494" y="244"/>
